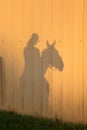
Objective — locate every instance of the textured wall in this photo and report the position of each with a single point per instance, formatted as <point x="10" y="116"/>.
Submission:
<point x="0" y="81"/>
<point x="63" y="93"/>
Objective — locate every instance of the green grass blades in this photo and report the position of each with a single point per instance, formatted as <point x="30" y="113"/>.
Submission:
<point x="13" y="121"/>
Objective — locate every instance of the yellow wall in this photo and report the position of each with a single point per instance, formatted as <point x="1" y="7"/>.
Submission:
<point x="60" y="20"/>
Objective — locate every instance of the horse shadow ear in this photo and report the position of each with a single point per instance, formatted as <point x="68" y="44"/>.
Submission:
<point x="54" y="43"/>
<point x="47" y="42"/>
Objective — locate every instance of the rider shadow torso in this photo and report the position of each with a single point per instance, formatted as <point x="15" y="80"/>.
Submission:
<point x="30" y="81"/>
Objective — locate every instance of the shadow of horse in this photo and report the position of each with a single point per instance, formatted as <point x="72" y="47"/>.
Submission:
<point x="34" y="88"/>
<point x="50" y="58"/>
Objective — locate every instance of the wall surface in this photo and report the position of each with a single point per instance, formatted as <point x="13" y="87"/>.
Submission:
<point x="31" y="84"/>
<point x="0" y="81"/>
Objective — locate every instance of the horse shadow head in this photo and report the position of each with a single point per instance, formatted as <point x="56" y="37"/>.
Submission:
<point x="52" y="56"/>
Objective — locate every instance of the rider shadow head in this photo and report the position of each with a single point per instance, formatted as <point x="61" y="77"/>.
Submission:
<point x="31" y="53"/>
<point x="33" y="40"/>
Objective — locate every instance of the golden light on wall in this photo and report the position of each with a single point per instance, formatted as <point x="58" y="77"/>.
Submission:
<point x="53" y="20"/>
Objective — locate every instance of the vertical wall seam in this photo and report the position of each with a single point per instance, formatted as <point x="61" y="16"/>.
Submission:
<point x="83" y="51"/>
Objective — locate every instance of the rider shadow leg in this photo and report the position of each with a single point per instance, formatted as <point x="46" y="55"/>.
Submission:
<point x="45" y="94"/>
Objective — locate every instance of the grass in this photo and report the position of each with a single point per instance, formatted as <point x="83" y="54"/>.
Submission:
<point x="13" y="121"/>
